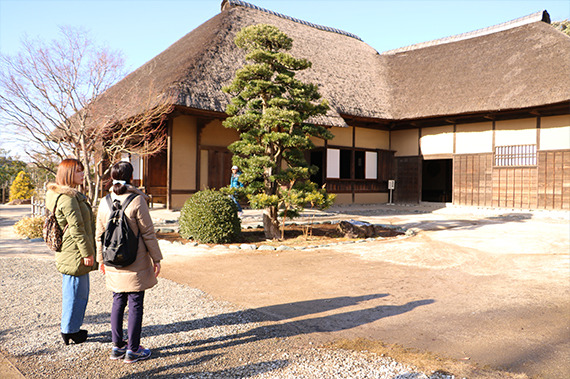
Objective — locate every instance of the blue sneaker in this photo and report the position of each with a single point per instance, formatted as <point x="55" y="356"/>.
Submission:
<point x="140" y="354"/>
<point x="118" y="352"/>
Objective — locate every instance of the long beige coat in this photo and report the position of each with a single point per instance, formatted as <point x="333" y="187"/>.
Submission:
<point x="138" y="276"/>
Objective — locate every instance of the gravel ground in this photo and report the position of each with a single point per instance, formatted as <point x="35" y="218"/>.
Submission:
<point x="190" y="334"/>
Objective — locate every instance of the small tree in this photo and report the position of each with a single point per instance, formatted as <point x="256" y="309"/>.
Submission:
<point x="21" y="187"/>
<point x="270" y="110"/>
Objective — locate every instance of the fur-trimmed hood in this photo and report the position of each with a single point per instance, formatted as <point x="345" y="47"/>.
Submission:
<point x="62" y="189"/>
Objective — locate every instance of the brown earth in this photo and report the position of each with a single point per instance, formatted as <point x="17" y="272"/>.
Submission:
<point x="472" y="293"/>
<point x="294" y="235"/>
<point x="467" y="291"/>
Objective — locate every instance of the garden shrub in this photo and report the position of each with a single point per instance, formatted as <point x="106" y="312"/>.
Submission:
<point x="30" y="227"/>
<point x="22" y="187"/>
<point x="209" y="216"/>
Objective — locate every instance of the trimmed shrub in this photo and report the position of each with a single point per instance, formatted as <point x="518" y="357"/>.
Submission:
<point x="30" y="227"/>
<point x="210" y="217"/>
<point x="22" y="187"/>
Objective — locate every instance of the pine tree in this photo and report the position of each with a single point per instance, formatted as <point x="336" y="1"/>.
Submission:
<point x="270" y="109"/>
<point x="21" y="187"/>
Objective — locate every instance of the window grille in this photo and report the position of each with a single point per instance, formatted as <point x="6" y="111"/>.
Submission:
<point x="515" y="155"/>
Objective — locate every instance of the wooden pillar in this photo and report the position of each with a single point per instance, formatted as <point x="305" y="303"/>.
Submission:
<point x="352" y="171"/>
<point x="169" y="165"/>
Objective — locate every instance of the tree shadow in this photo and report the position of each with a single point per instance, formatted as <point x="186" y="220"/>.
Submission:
<point x="466" y="224"/>
<point x="327" y="323"/>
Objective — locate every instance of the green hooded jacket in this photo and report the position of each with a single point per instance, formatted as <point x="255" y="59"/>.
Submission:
<point x="74" y="216"/>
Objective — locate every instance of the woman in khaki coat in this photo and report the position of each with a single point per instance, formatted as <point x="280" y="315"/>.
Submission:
<point x="129" y="283"/>
<point x="76" y="257"/>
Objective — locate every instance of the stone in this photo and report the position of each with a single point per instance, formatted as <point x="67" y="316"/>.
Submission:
<point x="266" y="247"/>
<point x="245" y="246"/>
<point x="356" y="229"/>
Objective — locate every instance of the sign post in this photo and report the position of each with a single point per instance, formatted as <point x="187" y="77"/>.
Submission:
<point x="391" y="187"/>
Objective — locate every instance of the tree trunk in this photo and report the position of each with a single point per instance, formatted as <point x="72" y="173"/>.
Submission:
<point x="270" y="223"/>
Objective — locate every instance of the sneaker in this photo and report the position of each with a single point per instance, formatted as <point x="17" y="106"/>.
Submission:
<point x="140" y="354"/>
<point x="118" y="352"/>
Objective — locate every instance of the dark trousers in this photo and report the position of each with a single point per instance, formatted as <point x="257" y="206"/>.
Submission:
<point x="136" y="302"/>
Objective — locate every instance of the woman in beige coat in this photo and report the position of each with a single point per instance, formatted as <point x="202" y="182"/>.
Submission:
<point x="129" y="283"/>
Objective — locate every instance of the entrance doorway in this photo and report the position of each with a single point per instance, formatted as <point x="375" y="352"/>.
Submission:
<point x="317" y="159"/>
<point x="219" y="167"/>
<point x="437" y="180"/>
<point x="156" y="177"/>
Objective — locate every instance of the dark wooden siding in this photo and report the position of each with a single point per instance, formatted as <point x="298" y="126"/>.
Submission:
<point x="407" y="180"/>
<point x="476" y="182"/>
<point x="473" y="179"/>
<point x="554" y="179"/>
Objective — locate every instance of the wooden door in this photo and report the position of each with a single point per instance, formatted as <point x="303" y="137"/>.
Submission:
<point x="219" y="168"/>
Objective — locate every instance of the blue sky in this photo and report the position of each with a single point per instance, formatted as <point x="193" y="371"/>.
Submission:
<point x="141" y="29"/>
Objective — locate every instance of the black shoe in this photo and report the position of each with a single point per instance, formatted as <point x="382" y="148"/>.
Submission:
<point x="79" y="337"/>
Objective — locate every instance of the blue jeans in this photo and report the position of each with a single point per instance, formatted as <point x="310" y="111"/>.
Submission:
<point x="238" y="206"/>
<point x="136" y="308"/>
<point x="74" y="297"/>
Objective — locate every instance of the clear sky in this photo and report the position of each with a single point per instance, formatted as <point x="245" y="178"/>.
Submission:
<point x="141" y="29"/>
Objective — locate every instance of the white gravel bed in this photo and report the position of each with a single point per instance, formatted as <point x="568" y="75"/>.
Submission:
<point x="190" y="334"/>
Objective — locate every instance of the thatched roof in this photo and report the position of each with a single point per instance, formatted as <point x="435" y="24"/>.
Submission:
<point x="520" y="66"/>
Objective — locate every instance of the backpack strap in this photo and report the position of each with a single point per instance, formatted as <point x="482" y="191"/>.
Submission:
<point x="109" y="201"/>
<point x="128" y="201"/>
<point x="55" y="205"/>
<point x="125" y="203"/>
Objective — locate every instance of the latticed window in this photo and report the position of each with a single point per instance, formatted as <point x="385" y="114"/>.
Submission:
<point x="515" y="155"/>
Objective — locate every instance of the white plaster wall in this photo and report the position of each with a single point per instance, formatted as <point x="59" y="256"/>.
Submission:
<point x="555" y="133"/>
<point x="516" y="132"/>
<point x="474" y="138"/>
<point x="437" y="140"/>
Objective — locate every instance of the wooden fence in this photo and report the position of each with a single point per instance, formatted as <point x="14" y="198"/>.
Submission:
<point x="38" y="207"/>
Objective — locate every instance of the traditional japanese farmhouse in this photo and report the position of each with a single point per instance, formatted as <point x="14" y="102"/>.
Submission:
<point x="478" y="119"/>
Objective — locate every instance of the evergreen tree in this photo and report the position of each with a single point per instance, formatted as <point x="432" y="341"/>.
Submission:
<point x="270" y="109"/>
<point x="21" y="187"/>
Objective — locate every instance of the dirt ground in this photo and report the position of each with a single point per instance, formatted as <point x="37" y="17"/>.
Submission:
<point x="481" y="287"/>
<point x="488" y="289"/>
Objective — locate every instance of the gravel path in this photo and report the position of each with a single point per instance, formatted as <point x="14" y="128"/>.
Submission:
<point x="190" y="334"/>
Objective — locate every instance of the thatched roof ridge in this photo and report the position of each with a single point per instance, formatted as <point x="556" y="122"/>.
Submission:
<point x="517" y="68"/>
<point x="535" y="17"/>
<point x="226" y="4"/>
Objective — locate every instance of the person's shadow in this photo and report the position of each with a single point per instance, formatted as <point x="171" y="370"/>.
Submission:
<point x="275" y="325"/>
<point x="328" y="323"/>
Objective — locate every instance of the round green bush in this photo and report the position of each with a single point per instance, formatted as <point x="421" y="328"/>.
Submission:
<point x="210" y="217"/>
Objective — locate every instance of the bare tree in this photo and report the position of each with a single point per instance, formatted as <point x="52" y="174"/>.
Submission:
<point x="141" y="132"/>
<point x="52" y="92"/>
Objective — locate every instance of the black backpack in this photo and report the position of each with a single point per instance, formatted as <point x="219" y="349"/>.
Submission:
<point x="120" y="244"/>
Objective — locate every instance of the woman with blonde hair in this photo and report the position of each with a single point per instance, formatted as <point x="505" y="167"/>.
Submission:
<point x="76" y="257"/>
<point x="129" y="283"/>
